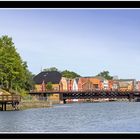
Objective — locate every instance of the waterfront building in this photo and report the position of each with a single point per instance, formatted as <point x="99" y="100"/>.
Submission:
<point x="88" y="85"/>
<point x="70" y="84"/>
<point x="98" y="82"/>
<point x="138" y="85"/>
<point x="115" y="77"/>
<point x="75" y="84"/>
<point x="82" y="84"/>
<point x="92" y="83"/>
<point x="126" y="84"/>
<point x="110" y="85"/>
<point x="64" y="84"/>
<point x="42" y="79"/>
<point x="105" y="84"/>
<point x="115" y="85"/>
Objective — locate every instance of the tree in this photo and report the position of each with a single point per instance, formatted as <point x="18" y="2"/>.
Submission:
<point x="106" y="75"/>
<point x="65" y="73"/>
<point x="51" y="69"/>
<point x="69" y="74"/>
<point x="49" y="86"/>
<point x="14" y="73"/>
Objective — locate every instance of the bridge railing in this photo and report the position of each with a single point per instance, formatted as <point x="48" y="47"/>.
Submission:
<point x="10" y="98"/>
<point x="93" y="90"/>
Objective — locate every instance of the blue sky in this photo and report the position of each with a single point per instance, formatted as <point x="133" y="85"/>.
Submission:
<point x="86" y="41"/>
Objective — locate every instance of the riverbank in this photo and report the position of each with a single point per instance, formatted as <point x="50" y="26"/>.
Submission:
<point x="27" y="104"/>
<point x="34" y="104"/>
<point x="100" y="100"/>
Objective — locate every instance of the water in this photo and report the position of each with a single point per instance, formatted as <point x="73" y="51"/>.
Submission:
<point x="77" y="117"/>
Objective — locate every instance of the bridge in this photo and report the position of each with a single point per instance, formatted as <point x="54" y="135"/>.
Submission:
<point x="9" y="99"/>
<point x="64" y="95"/>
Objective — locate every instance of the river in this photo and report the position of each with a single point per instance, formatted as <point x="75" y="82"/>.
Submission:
<point x="76" y="117"/>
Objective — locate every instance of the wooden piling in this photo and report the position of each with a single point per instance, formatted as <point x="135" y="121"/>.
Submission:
<point x="2" y="107"/>
<point x="5" y="106"/>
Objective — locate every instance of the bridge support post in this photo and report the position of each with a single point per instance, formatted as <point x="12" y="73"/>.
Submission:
<point x="63" y="101"/>
<point x="5" y="106"/>
<point x="131" y="97"/>
<point x="2" y="107"/>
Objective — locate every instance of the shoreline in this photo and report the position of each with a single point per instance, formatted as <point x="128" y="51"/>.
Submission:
<point x="30" y="104"/>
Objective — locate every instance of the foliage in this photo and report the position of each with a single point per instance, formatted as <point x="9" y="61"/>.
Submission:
<point x="106" y="75"/>
<point x="69" y="74"/>
<point x="25" y="95"/>
<point x="49" y="86"/>
<point x="13" y="70"/>
<point x="65" y="73"/>
<point x="51" y="69"/>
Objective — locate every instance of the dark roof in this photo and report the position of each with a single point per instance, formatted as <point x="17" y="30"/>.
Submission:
<point x="48" y="76"/>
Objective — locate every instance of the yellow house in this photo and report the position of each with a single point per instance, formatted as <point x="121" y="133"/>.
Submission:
<point x="126" y="84"/>
<point x="64" y="84"/>
<point x="43" y="79"/>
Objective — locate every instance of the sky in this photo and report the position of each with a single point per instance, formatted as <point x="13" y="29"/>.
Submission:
<point x="86" y="41"/>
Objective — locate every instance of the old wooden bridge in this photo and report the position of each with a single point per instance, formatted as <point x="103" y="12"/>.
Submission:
<point x="9" y="99"/>
<point x="64" y="95"/>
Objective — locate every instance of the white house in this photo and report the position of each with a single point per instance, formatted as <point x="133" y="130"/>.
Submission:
<point x="105" y="84"/>
<point x="75" y="84"/>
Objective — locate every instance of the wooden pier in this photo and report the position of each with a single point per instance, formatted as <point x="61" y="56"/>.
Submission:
<point x="9" y="99"/>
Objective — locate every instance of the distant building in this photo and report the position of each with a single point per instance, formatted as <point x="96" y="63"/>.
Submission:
<point x="97" y="82"/>
<point x="44" y="77"/>
<point x="105" y="84"/>
<point x="92" y="83"/>
<point x="115" y="77"/>
<point x="138" y="85"/>
<point x="82" y="84"/>
<point x="64" y="84"/>
<point x="75" y="84"/>
<point x="41" y="80"/>
<point x="126" y="84"/>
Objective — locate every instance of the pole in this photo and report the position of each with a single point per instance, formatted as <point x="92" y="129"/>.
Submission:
<point x="2" y="106"/>
<point x="5" y="106"/>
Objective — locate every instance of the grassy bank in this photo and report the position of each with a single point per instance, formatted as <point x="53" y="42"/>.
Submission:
<point x="26" y="104"/>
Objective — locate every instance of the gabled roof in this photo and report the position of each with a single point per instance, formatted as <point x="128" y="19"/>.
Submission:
<point x="100" y="78"/>
<point x="48" y="76"/>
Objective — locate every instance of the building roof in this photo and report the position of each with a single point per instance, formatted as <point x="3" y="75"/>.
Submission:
<point x="100" y="78"/>
<point x="97" y="77"/>
<point x="126" y="79"/>
<point x="48" y="76"/>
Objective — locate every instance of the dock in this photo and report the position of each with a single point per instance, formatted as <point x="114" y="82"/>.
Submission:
<point x="9" y="99"/>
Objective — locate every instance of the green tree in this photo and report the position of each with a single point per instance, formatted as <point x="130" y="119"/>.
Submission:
<point x="49" y="86"/>
<point x="69" y="74"/>
<point x="65" y="73"/>
<point x="14" y="73"/>
<point x="106" y="75"/>
<point x="51" y="69"/>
